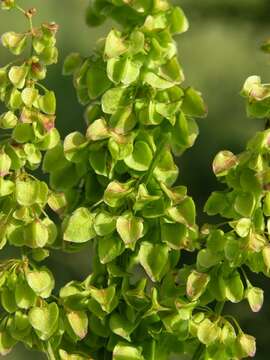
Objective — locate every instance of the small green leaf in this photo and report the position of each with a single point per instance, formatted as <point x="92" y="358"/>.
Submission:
<point x="8" y="120"/>
<point x="116" y="193"/>
<point x="223" y="162"/>
<point x="178" y="21"/>
<point x="79" y="227"/>
<point x="156" y="81"/>
<point x="208" y="332"/>
<point x="130" y="229"/>
<point x="243" y="227"/>
<point x="234" y="288"/>
<point x="105" y="297"/>
<point x="196" y="284"/>
<point x="153" y="258"/>
<point x="47" y="103"/>
<point x="98" y="130"/>
<point x="72" y="62"/>
<point x="29" y="96"/>
<point x="112" y="99"/>
<point x="15" y="42"/>
<point x="115" y="44"/>
<point x="24" y="295"/>
<point x="26" y="192"/>
<point x="97" y="80"/>
<point x="17" y="75"/>
<point x="109" y="248"/>
<point x="125" y="351"/>
<point x="121" y="326"/>
<point x="5" y="163"/>
<point x="141" y="157"/>
<point x="175" y="235"/>
<point x="44" y="320"/>
<point x="104" y="223"/>
<point x="41" y="282"/>
<point x="245" y="204"/>
<point x="78" y="321"/>
<point x="193" y="103"/>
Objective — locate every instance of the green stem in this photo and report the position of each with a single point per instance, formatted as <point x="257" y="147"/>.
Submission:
<point x="198" y="352"/>
<point x="219" y="307"/>
<point x="164" y="142"/>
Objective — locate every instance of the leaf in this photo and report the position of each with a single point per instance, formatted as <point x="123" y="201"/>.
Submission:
<point x="245" y="204"/>
<point x="121" y="326"/>
<point x="72" y="62"/>
<point x="234" y="288"/>
<point x="98" y="130"/>
<point x="15" y="42"/>
<point x="153" y="258"/>
<point x="116" y="193"/>
<point x="5" y="164"/>
<point x="79" y="227"/>
<point x="243" y="227"/>
<point x="29" y="96"/>
<point x="109" y="248"/>
<point x="8" y="120"/>
<point x="97" y="80"/>
<point x="41" y="282"/>
<point x="26" y="192"/>
<point x="125" y="351"/>
<point x="216" y="203"/>
<point x="141" y="157"/>
<point x="130" y="229"/>
<point x="6" y="187"/>
<point x="208" y="332"/>
<point x="23" y="133"/>
<point x="112" y="99"/>
<point x="6" y="343"/>
<point x="104" y="223"/>
<point x="114" y="45"/>
<point x="175" y="235"/>
<point x="17" y="75"/>
<point x="178" y="21"/>
<point x="44" y="320"/>
<point x="193" y="103"/>
<point x="156" y="81"/>
<point x="223" y="162"/>
<point x="107" y="298"/>
<point x="196" y="284"/>
<point x="24" y="295"/>
<point x="184" y="212"/>
<point x="78" y="321"/>
<point x="47" y="103"/>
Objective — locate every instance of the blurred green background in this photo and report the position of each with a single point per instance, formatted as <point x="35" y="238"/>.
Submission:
<point x="218" y="53"/>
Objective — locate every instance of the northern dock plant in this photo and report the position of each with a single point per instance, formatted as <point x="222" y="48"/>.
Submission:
<point x="114" y="187"/>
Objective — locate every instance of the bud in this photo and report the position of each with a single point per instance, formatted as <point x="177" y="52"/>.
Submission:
<point x="255" y="297"/>
<point x="246" y="345"/>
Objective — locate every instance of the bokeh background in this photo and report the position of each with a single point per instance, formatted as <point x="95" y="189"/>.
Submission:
<point x="218" y="53"/>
